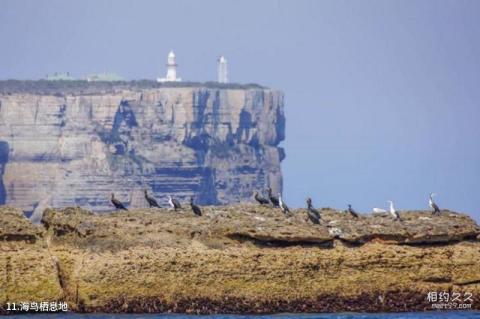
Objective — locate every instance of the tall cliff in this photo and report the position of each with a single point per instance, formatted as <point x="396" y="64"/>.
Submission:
<point x="75" y="143"/>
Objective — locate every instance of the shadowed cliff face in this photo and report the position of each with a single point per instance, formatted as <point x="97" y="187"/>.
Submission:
<point x="217" y="144"/>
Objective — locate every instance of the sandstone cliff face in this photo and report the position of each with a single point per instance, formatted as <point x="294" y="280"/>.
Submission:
<point x="75" y="147"/>
<point x="240" y="259"/>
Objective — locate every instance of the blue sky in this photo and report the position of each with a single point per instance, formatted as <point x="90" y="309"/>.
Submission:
<point x="382" y="97"/>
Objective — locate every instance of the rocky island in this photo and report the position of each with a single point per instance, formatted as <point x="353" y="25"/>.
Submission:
<point x="237" y="259"/>
<point x="72" y="143"/>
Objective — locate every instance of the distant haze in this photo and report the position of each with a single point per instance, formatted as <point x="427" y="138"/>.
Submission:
<point x="382" y="97"/>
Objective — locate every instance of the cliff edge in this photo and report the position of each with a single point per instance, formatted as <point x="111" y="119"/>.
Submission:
<point x="237" y="259"/>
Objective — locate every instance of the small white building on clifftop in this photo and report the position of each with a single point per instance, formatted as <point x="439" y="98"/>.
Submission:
<point x="171" y="70"/>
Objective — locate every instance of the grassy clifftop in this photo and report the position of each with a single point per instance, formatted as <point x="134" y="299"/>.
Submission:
<point x="45" y="87"/>
<point x="242" y="258"/>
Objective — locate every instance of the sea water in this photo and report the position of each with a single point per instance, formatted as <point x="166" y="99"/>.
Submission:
<point x="405" y="315"/>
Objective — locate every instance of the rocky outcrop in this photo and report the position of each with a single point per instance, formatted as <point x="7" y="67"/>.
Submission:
<point x="238" y="259"/>
<point x="15" y="227"/>
<point x="72" y="144"/>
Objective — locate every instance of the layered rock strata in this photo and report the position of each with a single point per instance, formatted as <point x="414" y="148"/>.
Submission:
<point x="65" y="144"/>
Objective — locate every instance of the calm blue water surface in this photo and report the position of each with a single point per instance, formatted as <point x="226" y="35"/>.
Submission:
<point x="412" y="315"/>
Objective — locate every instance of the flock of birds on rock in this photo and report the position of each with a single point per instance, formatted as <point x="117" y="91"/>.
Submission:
<point x="312" y="213"/>
<point x="174" y="203"/>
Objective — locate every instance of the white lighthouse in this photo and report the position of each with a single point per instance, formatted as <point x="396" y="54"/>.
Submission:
<point x="171" y="70"/>
<point x="222" y="70"/>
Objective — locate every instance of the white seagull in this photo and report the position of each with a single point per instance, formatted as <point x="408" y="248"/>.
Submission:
<point x="282" y="204"/>
<point x="378" y="210"/>
<point x="432" y="204"/>
<point x="393" y="211"/>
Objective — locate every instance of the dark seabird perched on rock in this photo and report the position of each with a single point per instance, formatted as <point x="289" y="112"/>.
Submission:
<point x="313" y="214"/>
<point x="196" y="210"/>
<point x="118" y="204"/>
<point x="275" y="202"/>
<point x="432" y="204"/>
<point x="150" y="200"/>
<point x="282" y="204"/>
<point x="175" y="204"/>
<point x="352" y="211"/>
<point x="260" y="199"/>
<point x="393" y="211"/>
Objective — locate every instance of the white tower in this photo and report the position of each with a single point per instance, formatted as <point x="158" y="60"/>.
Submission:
<point x="171" y="70"/>
<point x="222" y="70"/>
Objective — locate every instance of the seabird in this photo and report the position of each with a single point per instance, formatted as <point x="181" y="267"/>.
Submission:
<point x="393" y="211"/>
<point x="261" y="200"/>
<point x="282" y="204"/>
<point x="151" y="201"/>
<point x="432" y="204"/>
<point x="273" y="199"/>
<point x="174" y="203"/>
<point x="352" y="211"/>
<point x="196" y="210"/>
<point x="118" y="204"/>
<point x="378" y="210"/>
<point x="313" y="214"/>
